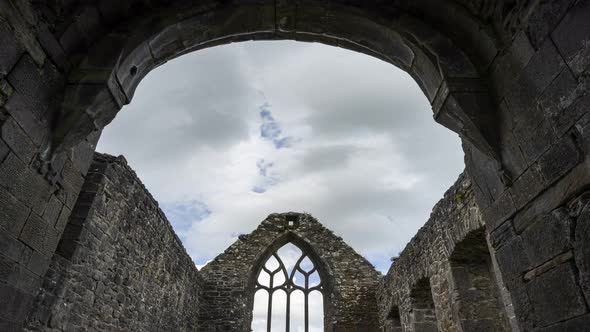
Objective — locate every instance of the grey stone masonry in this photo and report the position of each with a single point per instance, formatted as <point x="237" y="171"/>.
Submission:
<point x="351" y="281"/>
<point x="445" y="274"/>
<point x="510" y="77"/>
<point x="119" y="265"/>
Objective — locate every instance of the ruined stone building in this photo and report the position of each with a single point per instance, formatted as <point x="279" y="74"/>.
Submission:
<point x="83" y="246"/>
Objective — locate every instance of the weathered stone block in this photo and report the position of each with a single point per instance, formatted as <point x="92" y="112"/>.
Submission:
<point x="52" y="210"/>
<point x="562" y="102"/>
<point x="502" y="234"/>
<point x="84" y="26"/>
<point x="512" y="60"/>
<point x="33" y="127"/>
<point x="548" y="236"/>
<point x="556" y="296"/>
<point x="572" y="37"/>
<point x="512" y="157"/>
<point x="527" y="186"/>
<point x="10" y="51"/>
<point x="10" y="246"/>
<point x="499" y="211"/>
<point x="35" y="90"/>
<point x="26" y="280"/>
<point x="52" y="47"/>
<point x="545" y="17"/>
<point x="427" y="75"/>
<point x="540" y="71"/>
<point x="27" y="186"/>
<point x="82" y="156"/>
<point x="534" y="141"/>
<point x="13" y="213"/>
<point x="34" y="232"/>
<point x="61" y="221"/>
<point x="512" y="259"/>
<point x="38" y="263"/>
<point x="8" y="267"/>
<point x="17" y="140"/>
<point x="558" y="160"/>
<point x="14" y="304"/>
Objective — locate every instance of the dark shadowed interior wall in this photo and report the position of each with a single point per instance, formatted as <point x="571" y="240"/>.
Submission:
<point x="119" y="265"/>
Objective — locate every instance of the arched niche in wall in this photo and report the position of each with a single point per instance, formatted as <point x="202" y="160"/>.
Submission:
<point x="476" y="299"/>
<point x="393" y="323"/>
<point x="422" y="312"/>
<point x="290" y="288"/>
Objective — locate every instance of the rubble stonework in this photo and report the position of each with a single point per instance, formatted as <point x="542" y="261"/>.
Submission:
<point x="510" y="77"/>
<point x="119" y="265"/>
<point x="350" y="280"/>
<point x="426" y="265"/>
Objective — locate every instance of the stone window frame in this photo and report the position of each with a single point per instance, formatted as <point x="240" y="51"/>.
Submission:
<point x="307" y="250"/>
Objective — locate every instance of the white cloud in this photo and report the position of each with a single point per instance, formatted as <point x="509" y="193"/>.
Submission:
<point x="363" y="155"/>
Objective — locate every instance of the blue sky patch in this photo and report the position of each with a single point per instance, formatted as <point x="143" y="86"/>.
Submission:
<point x="270" y="129"/>
<point x="183" y="214"/>
<point x="266" y="178"/>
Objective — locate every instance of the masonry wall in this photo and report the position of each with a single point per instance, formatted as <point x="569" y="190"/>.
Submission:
<point x="36" y="198"/>
<point x="228" y="292"/>
<point x="119" y="265"/>
<point x="424" y="267"/>
<point x="536" y="67"/>
<point x="542" y="91"/>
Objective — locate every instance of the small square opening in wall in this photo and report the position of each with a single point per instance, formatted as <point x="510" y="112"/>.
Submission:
<point x="291" y="219"/>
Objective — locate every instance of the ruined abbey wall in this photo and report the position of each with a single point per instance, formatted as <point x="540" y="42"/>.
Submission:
<point x="424" y="286"/>
<point x="351" y="281"/>
<point x="119" y="265"/>
<point x="511" y="77"/>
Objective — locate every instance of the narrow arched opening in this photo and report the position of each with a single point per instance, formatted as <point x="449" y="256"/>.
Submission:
<point x="422" y="311"/>
<point x="394" y="322"/>
<point x="476" y="298"/>
<point x="289" y="292"/>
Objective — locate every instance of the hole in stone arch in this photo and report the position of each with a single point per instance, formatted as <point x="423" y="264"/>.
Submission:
<point x="133" y="70"/>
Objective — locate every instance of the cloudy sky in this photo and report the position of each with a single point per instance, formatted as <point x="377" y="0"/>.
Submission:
<point x="225" y="136"/>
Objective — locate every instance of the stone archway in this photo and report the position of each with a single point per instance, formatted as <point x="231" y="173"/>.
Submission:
<point x="510" y="77"/>
<point x="106" y="74"/>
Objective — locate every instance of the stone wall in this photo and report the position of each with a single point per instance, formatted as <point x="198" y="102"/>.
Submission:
<point x="119" y="265"/>
<point x="351" y="279"/>
<point x="511" y="77"/>
<point x="36" y="198"/>
<point x="425" y="287"/>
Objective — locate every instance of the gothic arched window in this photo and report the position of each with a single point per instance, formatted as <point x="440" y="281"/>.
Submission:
<point x="288" y="293"/>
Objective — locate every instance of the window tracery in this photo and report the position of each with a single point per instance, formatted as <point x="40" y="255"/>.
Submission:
<point x="288" y="293"/>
